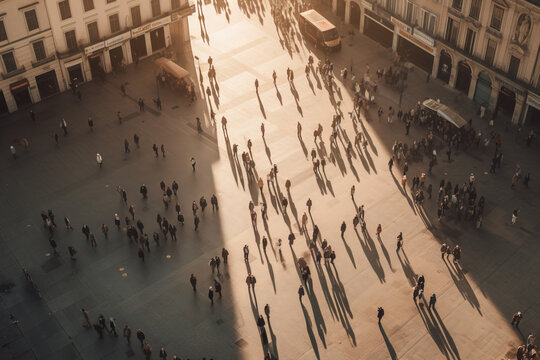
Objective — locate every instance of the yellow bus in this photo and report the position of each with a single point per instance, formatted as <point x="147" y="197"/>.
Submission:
<point x="319" y="30"/>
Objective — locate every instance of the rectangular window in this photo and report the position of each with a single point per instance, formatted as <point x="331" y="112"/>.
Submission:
<point x="156" y="9"/>
<point x="513" y="67"/>
<point x="457" y="4"/>
<point x="9" y="62"/>
<point x="71" y="40"/>
<point x="114" y="21"/>
<point x="490" y="51"/>
<point x="497" y="17"/>
<point x="3" y="34"/>
<point x="136" y="15"/>
<point x="429" y="22"/>
<point x="88" y="5"/>
<point x="93" y="32"/>
<point x="31" y="20"/>
<point x="409" y="12"/>
<point x="452" y="31"/>
<point x="175" y="4"/>
<point x="475" y="9"/>
<point x="39" y="50"/>
<point x="469" y="41"/>
<point x="65" y="10"/>
<point x="391" y="5"/>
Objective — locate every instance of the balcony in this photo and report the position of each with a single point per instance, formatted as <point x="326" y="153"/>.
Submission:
<point x="13" y="73"/>
<point x="35" y="64"/>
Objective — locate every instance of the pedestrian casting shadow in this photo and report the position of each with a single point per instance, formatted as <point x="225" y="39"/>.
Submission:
<point x="403" y="192"/>
<point x="270" y="271"/>
<point x="371" y="254"/>
<point x="340" y="298"/>
<point x="338" y="159"/>
<point x="368" y="138"/>
<point x="311" y="85"/>
<point x="274" y="339"/>
<point x="349" y="251"/>
<point x="442" y="339"/>
<point x="449" y="338"/>
<point x="353" y="169"/>
<point x="324" y="287"/>
<point x="385" y="252"/>
<point x="370" y="160"/>
<point x="389" y="345"/>
<point x="407" y="269"/>
<point x="267" y="150"/>
<point x="463" y="285"/>
<point x="310" y="332"/>
<point x="231" y="158"/>
<point x="363" y="159"/>
<point x="304" y="149"/>
<point x="261" y="106"/>
<point x="293" y="210"/>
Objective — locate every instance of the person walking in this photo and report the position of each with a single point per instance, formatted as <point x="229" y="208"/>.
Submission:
<point x="86" y="318"/>
<point x="99" y="159"/>
<point x="214" y="202"/>
<point x="217" y="288"/>
<point x="112" y="325"/>
<point x="432" y="301"/>
<point x="63" y="125"/>
<point x="225" y="255"/>
<point x="141" y="337"/>
<point x="193" y="163"/>
<point x="267" y="311"/>
<point x="126" y="146"/>
<point x="91" y="124"/>
<point x="380" y="314"/>
<point x="246" y="253"/>
<point x="155" y="149"/>
<point x="163" y="353"/>
<point x="193" y="281"/>
<point x="444" y="249"/>
<point x="399" y="242"/>
<point x="211" y="295"/>
<point x="515" y="216"/>
<point x="301" y="292"/>
<point x="516" y="318"/>
<point x="127" y="334"/>
<point x="379" y="230"/>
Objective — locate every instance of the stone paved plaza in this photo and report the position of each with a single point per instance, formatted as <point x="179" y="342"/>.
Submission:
<point x="337" y="320"/>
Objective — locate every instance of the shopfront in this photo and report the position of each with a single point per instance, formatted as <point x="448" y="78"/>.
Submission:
<point x="75" y="73"/>
<point x="115" y="45"/>
<point x="482" y="93"/>
<point x="20" y="93"/>
<point x="47" y="84"/>
<point x="415" y="46"/>
<point x="94" y="53"/>
<point x="532" y="115"/>
<point x="506" y="102"/>
<point x="138" y="47"/>
<point x="379" y="29"/>
<point x="157" y="38"/>
<point x="150" y="37"/>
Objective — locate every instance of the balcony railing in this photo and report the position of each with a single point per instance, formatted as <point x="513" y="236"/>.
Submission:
<point x="43" y="61"/>
<point x="13" y="73"/>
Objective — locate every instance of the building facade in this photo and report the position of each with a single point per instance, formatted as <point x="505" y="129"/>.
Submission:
<point x="487" y="49"/>
<point x="48" y="45"/>
<point x="30" y="70"/>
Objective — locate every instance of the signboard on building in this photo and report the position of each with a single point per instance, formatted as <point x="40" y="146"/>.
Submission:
<point x="117" y="39"/>
<point x="150" y="26"/>
<point x="401" y="25"/>
<point x="93" y="48"/>
<point x="416" y="42"/>
<point x="426" y="39"/>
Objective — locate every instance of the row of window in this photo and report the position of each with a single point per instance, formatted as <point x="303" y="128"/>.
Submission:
<point x="10" y="64"/>
<point x="65" y="10"/>
<point x="31" y="23"/>
<point x="474" y="12"/>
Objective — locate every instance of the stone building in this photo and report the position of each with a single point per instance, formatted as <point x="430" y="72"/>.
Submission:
<point x="489" y="50"/>
<point x="30" y="70"/>
<point x="94" y="37"/>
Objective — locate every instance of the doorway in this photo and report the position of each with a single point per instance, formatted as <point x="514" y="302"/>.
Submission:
<point x="96" y="67"/>
<point x="158" y="39"/>
<point x="354" y="18"/>
<point x="75" y="74"/>
<point x="445" y="67"/>
<point x="20" y="93"/>
<point x="47" y="84"/>
<point x="464" y="74"/>
<point x="117" y="57"/>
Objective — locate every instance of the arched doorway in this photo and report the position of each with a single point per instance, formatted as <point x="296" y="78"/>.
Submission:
<point x="463" y="79"/>
<point x="354" y="18"/>
<point x="445" y="67"/>
<point x="482" y="94"/>
<point x="506" y="101"/>
<point x="340" y="12"/>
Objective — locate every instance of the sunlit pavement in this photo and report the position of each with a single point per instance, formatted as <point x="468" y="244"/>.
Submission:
<point x="336" y="321"/>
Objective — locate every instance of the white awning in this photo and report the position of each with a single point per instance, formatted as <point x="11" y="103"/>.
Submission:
<point x="445" y="112"/>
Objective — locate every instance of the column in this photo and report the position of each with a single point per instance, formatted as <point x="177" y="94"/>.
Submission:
<point x="395" y="40"/>
<point x="148" y="41"/>
<point x="127" y="52"/>
<point x="472" y="86"/>
<point x="106" y="61"/>
<point x="495" y="88"/>
<point x="362" y="16"/>
<point x="453" y="74"/>
<point x="436" y="60"/>
<point x="348" y="12"/>
<point x="520" y="102"/>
